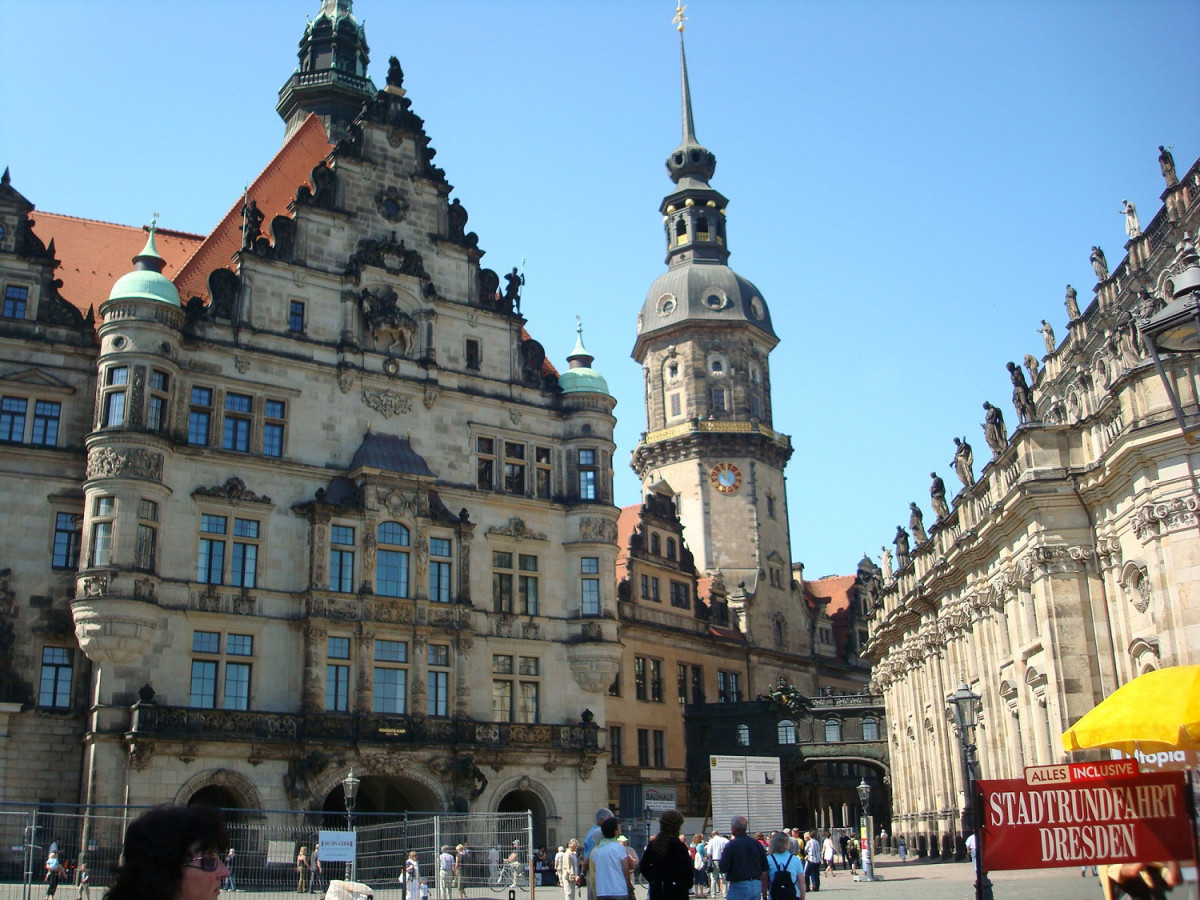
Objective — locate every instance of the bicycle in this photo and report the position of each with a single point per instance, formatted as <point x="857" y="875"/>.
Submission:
<point x="508" y="877"/>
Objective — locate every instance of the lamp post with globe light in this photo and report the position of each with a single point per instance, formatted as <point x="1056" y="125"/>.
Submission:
<point x="864" y="798"/>
<point x="965" y="705"/>
<point x="350" y="792"/>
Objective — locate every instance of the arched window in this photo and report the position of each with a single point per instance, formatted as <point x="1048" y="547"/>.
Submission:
<point x="681" y="232"/>
<point x="670" y="548"/>
<point x="655" y="544"/>
<point x="743" y="738"/>
<point x="833" y="731"/>
<point x="787" y="732"/>
<point x="391" y="570"/>
<point x="717" y="367"/>
<point x="779" y="632"/>
<point x="702" y="228"/>
<point x="870" y="729"/>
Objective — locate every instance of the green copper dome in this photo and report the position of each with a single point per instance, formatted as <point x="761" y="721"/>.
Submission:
<point x="581" y="377"/>
<point x="146" y="281"/>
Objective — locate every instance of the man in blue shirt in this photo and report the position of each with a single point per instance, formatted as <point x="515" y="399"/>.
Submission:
<point x="744" y="864"/>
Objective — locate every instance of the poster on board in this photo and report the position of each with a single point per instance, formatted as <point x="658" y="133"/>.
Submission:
<point x="748" y="786"/>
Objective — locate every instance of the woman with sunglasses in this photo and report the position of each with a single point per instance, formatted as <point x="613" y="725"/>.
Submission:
<point x="173" y="853"/>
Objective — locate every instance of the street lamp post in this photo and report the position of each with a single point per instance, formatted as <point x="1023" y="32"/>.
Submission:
<point x="964" y="703"/>
<point x="1176" y="327"/>
<point x="864" y="798"/>
<point x="350" y="792"/>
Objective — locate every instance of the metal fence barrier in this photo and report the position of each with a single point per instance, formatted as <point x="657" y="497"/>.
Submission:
<point x="266" y="845"/>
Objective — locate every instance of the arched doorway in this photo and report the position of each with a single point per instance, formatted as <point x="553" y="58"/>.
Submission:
<point x="379" y="798"/>
<point x="520" y="801"/>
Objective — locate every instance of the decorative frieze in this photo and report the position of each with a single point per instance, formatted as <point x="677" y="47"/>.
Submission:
<point x="234" y="490"/>
<point x="105" y="462"/>
<point x="516" y="528"/>
<point x="1156" y="519"/>
<point x="387" y="402"/>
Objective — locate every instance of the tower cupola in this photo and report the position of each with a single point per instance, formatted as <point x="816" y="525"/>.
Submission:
<point x="146" y="281"/>
<point x="581" y="376"/>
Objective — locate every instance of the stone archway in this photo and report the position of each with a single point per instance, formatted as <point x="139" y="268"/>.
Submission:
<point x="523" y="794"/>
<point x="380" y="795"/>
<point x="224" y="788"/>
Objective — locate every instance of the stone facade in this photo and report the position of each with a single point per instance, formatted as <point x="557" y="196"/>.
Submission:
<point x="1069" y="567"/>
<point x="326" y="513"/>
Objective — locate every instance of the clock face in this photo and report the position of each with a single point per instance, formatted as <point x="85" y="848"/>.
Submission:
<point x="725" y="477"/>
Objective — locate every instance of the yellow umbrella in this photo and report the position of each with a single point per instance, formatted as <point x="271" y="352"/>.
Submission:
<point x="1155" y="712"/>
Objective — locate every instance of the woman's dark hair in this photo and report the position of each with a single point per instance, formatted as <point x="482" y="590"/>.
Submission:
<point x="670" y="823"/>
<point x="157" y="845"/>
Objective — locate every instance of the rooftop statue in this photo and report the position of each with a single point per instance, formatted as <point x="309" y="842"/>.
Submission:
<point x="937" y="496"/>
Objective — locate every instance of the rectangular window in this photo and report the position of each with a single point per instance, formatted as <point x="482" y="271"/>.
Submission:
<point x="275" y="413"/>
<point x="541" y="476"/>
<point x="697" y="684"/>
<point x="54" y="689"/>
<point x="206" y="642"/>
<point x="245" y="553"/>
<point x="639" y="677"/>
<point x="616" y="745"/>
<point x="341" y="559"/>
<point x="12" y="419"/>
<point x="437" y="681"/>
<point x="587" y="474"/>
<point x="676" y="406"/>
<point x="156" y="412"/>
<point x="614" y="689"/>
<point x="527" y="585"/>
<point x="681" y="595"/>
<point x="770" y="506"/>
<point x="439" y="570"/>
<point x="502" y="688"/>
<point x="644" y="747"/>
<point x="296" y="316"/>
<point x="681" y="683"/>
<point x="485" y="463"/>
<point x="210" y="560"/>
<point x="656" y="681"/>
<point x="237" y="423"/>
<point x="514" y="468"/>
<point x="239" y="645"/>
<point x="659" y="759"/>
<point x="728" y="687"/>
<point x="101" y="544"/>
<point x="391" y="565"/>
<point x="589" y="585"/>
<point x="203" y="693"/>
<point x="200" y="416"/>
<point x="337" y="674"/>
<point x="502" y="582"/>
<point x="237" y="685"/>
<point x="45" y="423"/>
<point x="145" y="550"/>
<point x="473" y="354"/>
<point x="66" y="541"/>
<point x="718" y="399"/>
<point x="114" y="396"/>
<point x="16" y="298"/>
<point x="391" y="678"/>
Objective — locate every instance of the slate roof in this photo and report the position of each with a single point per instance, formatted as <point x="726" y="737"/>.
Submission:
<point x="390" y="454"/>
<point x="273" y="190"/>
<point x="95" y="254"/>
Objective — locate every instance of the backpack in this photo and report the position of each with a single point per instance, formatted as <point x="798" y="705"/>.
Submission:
<point x="783" y="886"/>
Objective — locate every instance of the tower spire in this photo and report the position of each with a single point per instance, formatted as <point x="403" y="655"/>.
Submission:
<point x="689" y="125"/>
<point x="692" y="164"/>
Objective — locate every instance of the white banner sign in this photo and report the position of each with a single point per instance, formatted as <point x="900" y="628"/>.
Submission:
<point x="748" y="786"/>
<point x="337" y="846"/>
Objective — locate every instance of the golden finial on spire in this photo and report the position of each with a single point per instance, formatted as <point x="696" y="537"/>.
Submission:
<point x="680" y="18"/>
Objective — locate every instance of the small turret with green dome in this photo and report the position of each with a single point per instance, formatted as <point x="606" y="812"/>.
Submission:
<point x="146" y="281"/>
<point x="581" y="377"/>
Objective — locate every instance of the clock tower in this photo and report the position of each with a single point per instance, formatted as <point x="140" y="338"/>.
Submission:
<point x="704" y="337"/>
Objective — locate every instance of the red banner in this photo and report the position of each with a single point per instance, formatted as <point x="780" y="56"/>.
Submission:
<point x="1085" y="822"/>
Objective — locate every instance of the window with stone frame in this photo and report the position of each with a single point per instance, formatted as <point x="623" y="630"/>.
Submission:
<point x="441" y="552"/>
<point x="391" y="677"/>
<point x="589" y="585"/>
<point x="341" y="558"/>
<point x="146" y="548"/>
<point x="337" y="673"/>
<point x="437" y="680"/>
<point x="54" y="684"/>
<point x="542" y="473"/>
<point x="220" y="677"/>
<point x="786" y="731"/>
<point x="473" y="354"/>
<point x="104" y="514"/>
<point x="681" y="595"/>
<point x="588" y="474"/>
<point x="616" y="744"/>
<point x="46" y="417"/>
<point x="67" y="538"/>
<point x="274" y="425"/>
<point x="870" y="729"/>
<point x="16" y="301"/>
<point x="729" y="687"/>
<point x="113" y="396"/>
<point x="392" y="541"/>
<point x="485" y="463"/>
<point x="12" y="419"/>
<point x="296" y="316"/>
<point x="158" y="408"/>
<point x="200" y="415"/>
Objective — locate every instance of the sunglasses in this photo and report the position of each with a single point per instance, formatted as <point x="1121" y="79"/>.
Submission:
<point x="208" y="863"/>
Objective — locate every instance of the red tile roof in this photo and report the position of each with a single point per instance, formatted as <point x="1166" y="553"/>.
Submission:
<point x="95" y="254"/>
<point x="273" y="189"/>
<point x="835" y="588"/>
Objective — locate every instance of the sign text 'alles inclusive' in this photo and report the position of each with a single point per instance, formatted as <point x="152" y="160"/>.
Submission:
<point x="1087" y="819"/>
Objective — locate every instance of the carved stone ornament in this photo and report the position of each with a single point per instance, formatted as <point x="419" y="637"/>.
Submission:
<point x="233" y="490"/>
<point x="388" y="255"/>
<point x="242" y="363"/>
<point x="594" y="528"/>
<point x="1135" y="584"/>
<point x="430" y="394"/>
<point x="1155" y="519"/>
<point x="391" y="205"/>
<point x="389" y="403"/>
<point x="345" y="378"/>
<point x="516" y="528"/>
<point x="104" y="462"/>
<point x="392" y="329"/>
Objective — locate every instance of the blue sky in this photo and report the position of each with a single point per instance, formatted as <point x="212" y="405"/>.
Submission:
<point x="911" y="184"/>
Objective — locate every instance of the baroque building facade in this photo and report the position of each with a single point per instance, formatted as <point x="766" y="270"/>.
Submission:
<point x="301" y="495"/>
<point x="1071" y="565"/>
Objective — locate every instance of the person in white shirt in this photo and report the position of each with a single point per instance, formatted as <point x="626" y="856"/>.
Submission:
<point x="716" y="844"/>
<point x="445" y="878"/>
<point x="827" y="854"/>
<point x="612" y="869"/>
